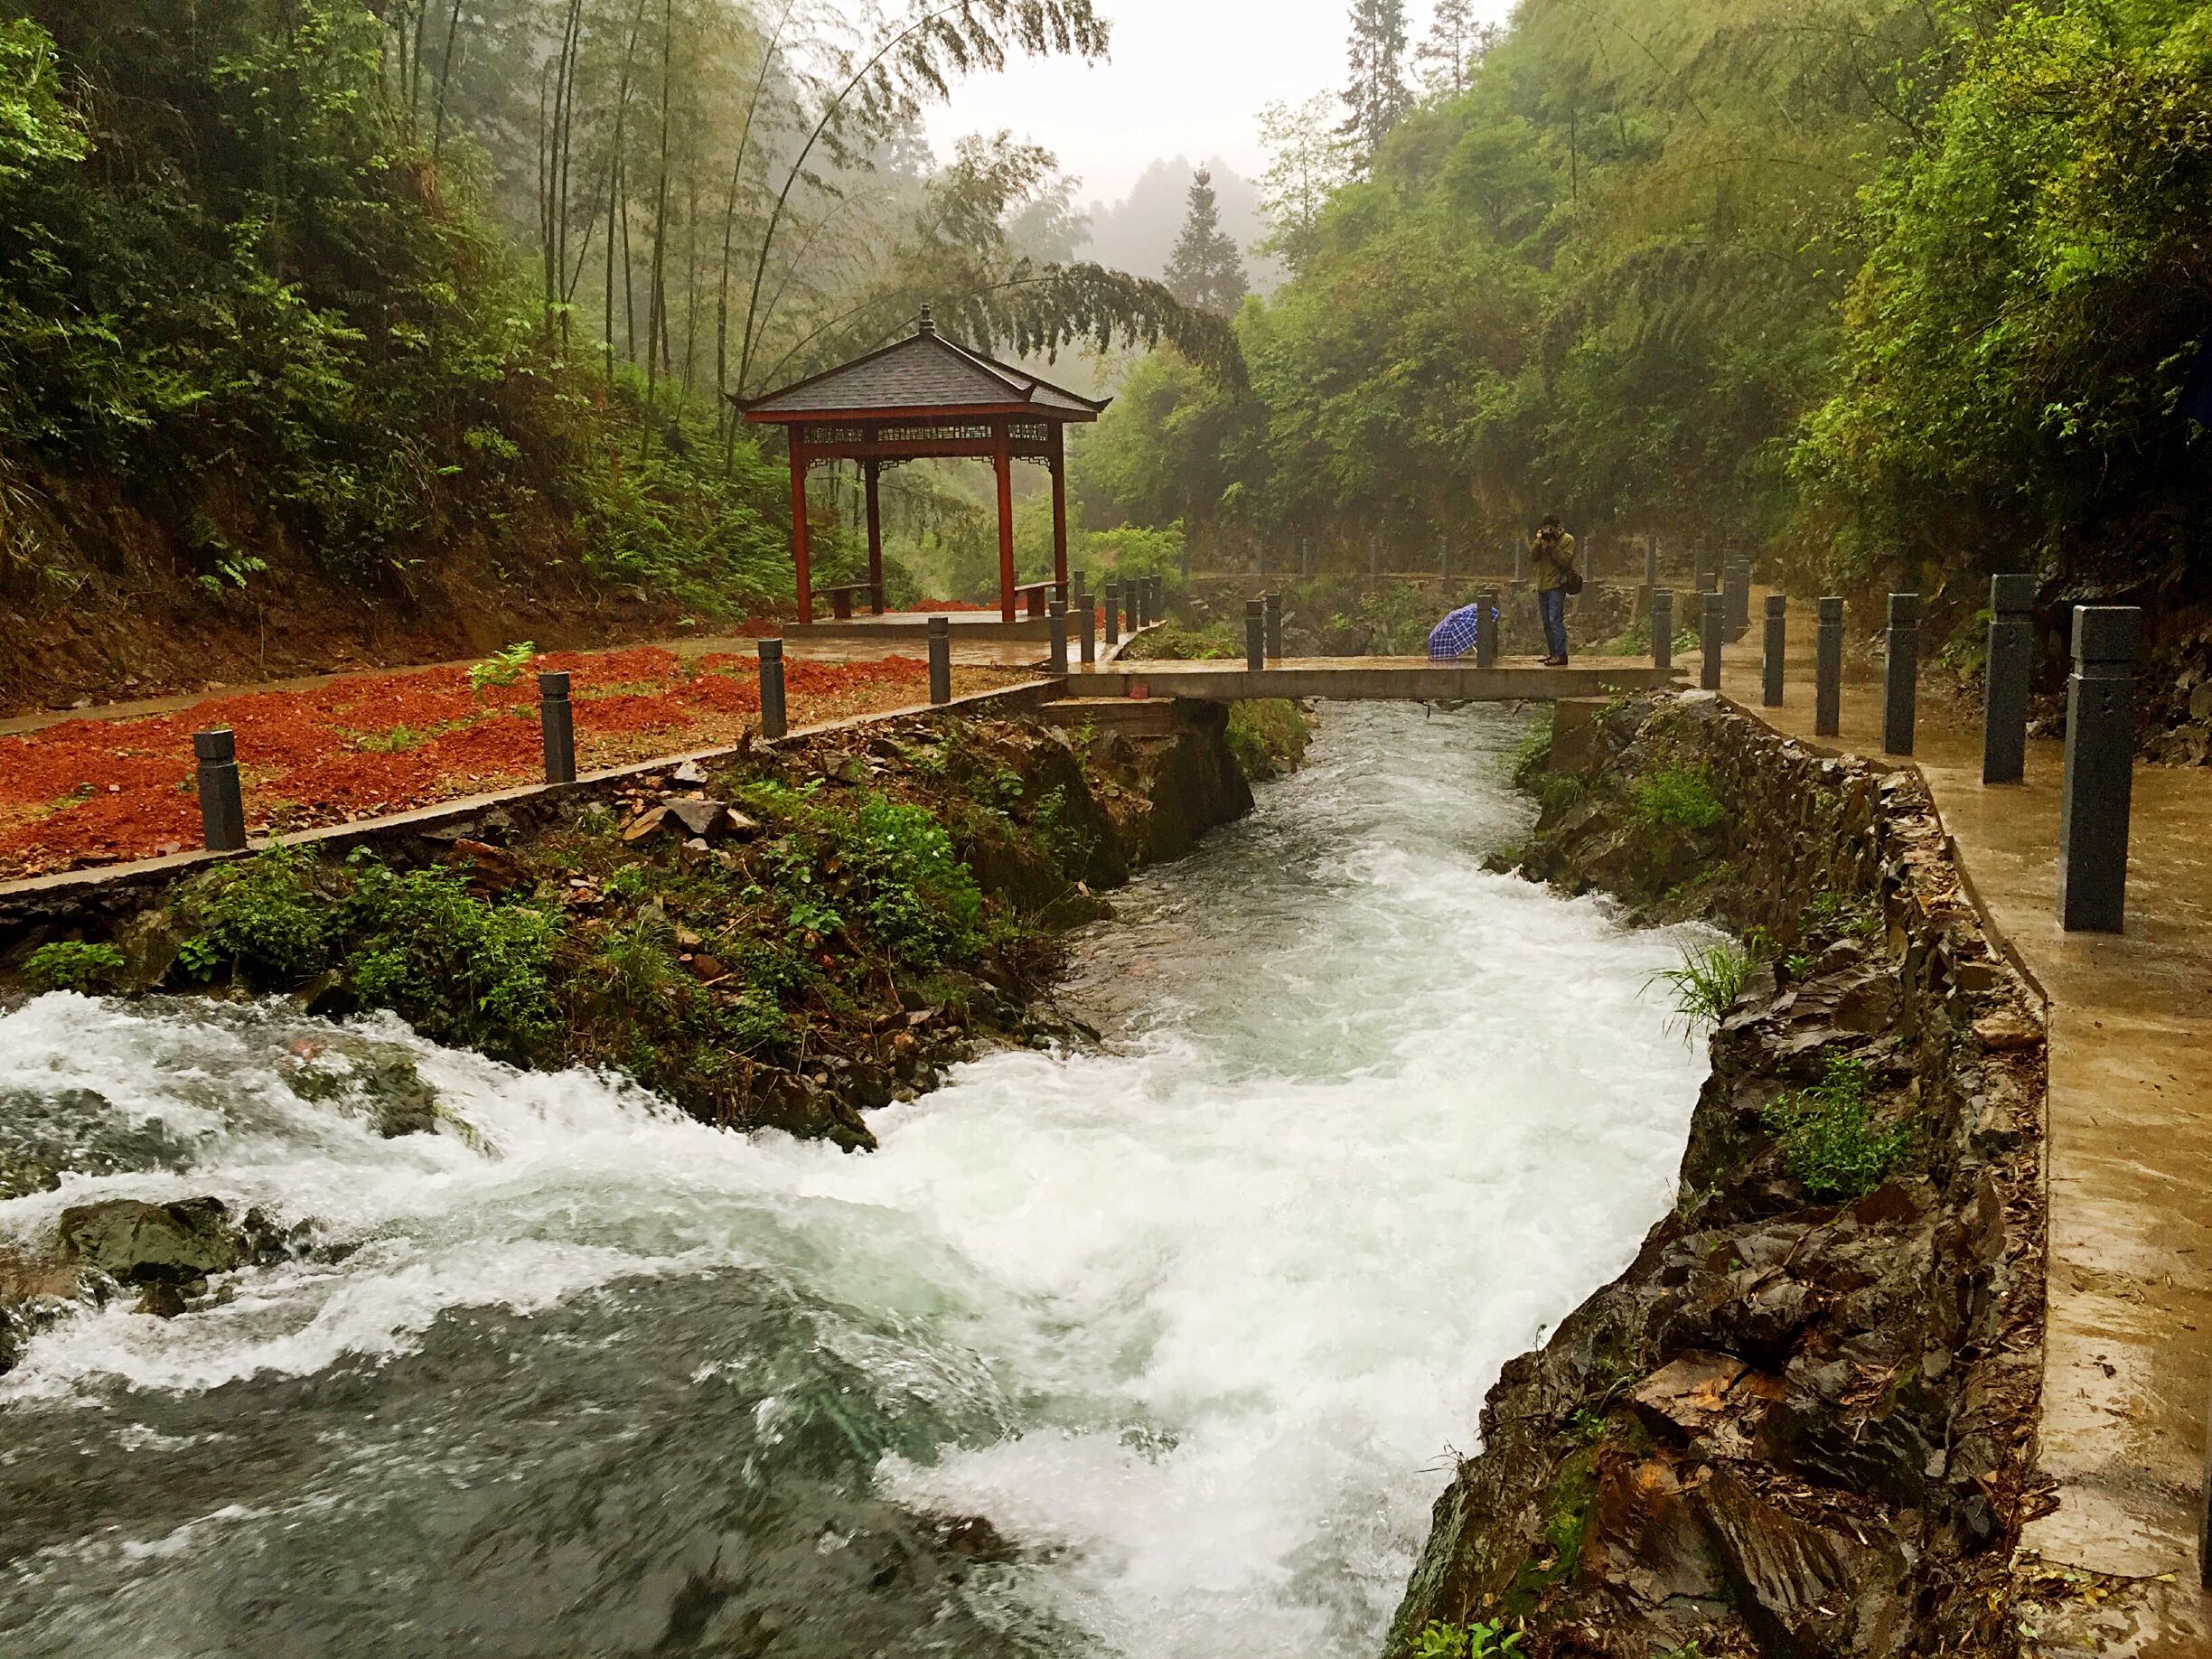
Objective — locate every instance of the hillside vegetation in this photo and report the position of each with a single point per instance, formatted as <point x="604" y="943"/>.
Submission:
<point x="1881" y="291"/>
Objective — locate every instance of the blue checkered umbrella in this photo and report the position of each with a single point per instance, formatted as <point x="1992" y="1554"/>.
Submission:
<point x="1455" y="635"/>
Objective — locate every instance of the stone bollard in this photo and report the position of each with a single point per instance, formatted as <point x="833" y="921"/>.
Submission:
<point x="1712" y="629"/>
<point x="1777" y="640"/>
<point x="1255" y="636"/>
<point x="1272" y="605"/>
<point x="940" y="660"/>
<point x="556" y="721"/>
<point x="223" y="801"/>
<point x="1901" y="673"/>
<point x="1306" y="555"/>
<point x="1651" y="565"/>
<point x="1086" y="627"/>
<point x="2004" y="703"/>
<point x="1444" y="556"/>
<point x="1056" y="628"/>
<point x="1736" y="585"/>
<point x="1486" y="628"/>
<point x="1663" y="629"/>
<point x="1828" y="669"/>
<point x="1113" y="613"/>
<point x="2099" y="769"/>
<point x="774" y="722"/>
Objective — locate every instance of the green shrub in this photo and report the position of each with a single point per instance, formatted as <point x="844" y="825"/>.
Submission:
<point x="502" y="667"/>
<point x="1535" y="750"/>
<point x="1558" y="791"/>
<point x="1267" y="736"/>
<point x="1475" y="1640"/>
<point x="73" y="966"/>
<point x="915" y="895"/>
<point x="1707" y="985"/>
<point x="260" y="919"/>
<point x="1829" y="1141"/>
<point x="452" y="963"/>
<point x="1682" y="796"/>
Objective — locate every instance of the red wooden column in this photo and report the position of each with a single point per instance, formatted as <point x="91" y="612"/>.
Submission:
<point x="873" y="472"/>
<point x="1002" y="457"/>
<point x="799" y="523"/>
<point x="1059" y="482"/>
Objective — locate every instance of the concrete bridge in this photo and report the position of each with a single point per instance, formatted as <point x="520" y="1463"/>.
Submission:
<point x="1369" y="680"/>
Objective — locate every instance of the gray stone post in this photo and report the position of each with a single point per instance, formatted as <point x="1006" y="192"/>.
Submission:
<point x="2099" y="769"/>
<point x="1086" y="628"/>
<point x="1901" y="673"/>
<point x="1374" y="558"/>
<point x="774" y="722"/>
<point x="222" y="802"/>
<point x="1737" y="585"/>
<point x="1444" y="556"/>
<point x="1651" y="565"/>
<point x="1486" y="628"/>
<point x="1272" y="603"/>
<point x="1777" y="640"/>
<point x="556" y="721"/>
<point x="1828" y="669"/>
<point x="1259" y="560"/>
<point x="1056" y="626"/>
<point x="1306" y="555"/>
<point x="1113" y="613"/>
<point x="940" y="660"/>
<point x="1712" y="629"/>
<point x="1255" y="636"/>
<point x="2004" y="704"/>
<point x="1663" y="629"/>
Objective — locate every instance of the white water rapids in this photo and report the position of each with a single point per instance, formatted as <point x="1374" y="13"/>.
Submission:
<point x="1194" y="1321"/>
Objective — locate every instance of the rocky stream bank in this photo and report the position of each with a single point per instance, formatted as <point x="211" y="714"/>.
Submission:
<point x="785" y="937"/>
<point x="1800" y="1424"/>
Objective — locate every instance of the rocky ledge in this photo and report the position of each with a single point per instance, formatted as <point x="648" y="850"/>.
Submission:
<point x="1800" y="1423"/>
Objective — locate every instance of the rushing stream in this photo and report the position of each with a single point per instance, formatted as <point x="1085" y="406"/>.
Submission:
<point x="1193" y="1322"/>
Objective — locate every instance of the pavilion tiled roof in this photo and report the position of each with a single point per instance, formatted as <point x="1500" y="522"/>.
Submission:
<point x="924" y="372"/>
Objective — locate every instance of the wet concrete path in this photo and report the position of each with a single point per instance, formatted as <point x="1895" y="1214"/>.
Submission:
<point x="2128" y="1364"/>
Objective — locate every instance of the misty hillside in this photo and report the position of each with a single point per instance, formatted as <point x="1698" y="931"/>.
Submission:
<point x="1137" y="233"/>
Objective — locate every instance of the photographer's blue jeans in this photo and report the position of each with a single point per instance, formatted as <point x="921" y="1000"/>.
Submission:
<point x="1553" y="605"/>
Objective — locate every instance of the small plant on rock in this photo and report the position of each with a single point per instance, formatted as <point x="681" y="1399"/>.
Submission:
<point x="1829" y="1140"/>
<point x="71" y="965"/>
<point x="1474" y="1640"/>
<point x="1682" y="796"/>
<point x="259" y="918"/>
<point x="1707" y="983"/>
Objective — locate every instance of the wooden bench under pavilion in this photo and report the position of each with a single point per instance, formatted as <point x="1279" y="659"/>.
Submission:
<point x="925" y="398"/>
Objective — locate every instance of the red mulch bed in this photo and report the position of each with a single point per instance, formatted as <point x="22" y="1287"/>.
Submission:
<point x="96" y="792"/>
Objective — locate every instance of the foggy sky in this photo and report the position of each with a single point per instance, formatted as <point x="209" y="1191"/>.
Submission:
<point x="1186" y="77"/>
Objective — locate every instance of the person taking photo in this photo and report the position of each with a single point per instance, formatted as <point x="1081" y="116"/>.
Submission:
<point x="1553" y="551"/>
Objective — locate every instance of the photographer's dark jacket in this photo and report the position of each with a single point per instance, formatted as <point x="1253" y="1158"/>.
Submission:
<point x="1552" y="563"/>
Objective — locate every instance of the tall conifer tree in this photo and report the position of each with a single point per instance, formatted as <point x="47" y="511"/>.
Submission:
<point x="1378" y="95"/>
<point x="1206" y="272"/>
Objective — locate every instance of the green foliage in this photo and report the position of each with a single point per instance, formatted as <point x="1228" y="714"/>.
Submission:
<point x="1268" y="735"/>
<point x="1845" y="914"/>
<point x="260" y="919"/>
<point x="1991" y="395"/>
<point x="1829" y="1139"/>
<point x="456" y="965"/>
<point x="74" y="966"/>
<point x="1558" y="791"/>
<point x="1534" y="753"/>
<point x="502" y="667"/>
<point x="1474" y="1640"/>
<point x="1707" y="984"/>
<point x="1680" y="796"/>
<point x="880" y="863"/>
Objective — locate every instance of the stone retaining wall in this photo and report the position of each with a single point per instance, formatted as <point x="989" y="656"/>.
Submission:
<point x="1801" y="1422"/>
